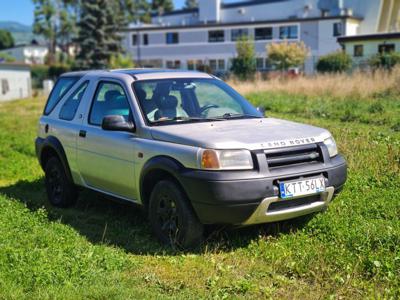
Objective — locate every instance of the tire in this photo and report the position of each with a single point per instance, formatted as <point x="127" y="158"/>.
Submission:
<point x="60" y="191"/>
<point x="172" y="218"/>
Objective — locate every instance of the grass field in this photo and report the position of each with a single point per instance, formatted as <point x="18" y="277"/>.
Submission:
<point x="103" y="250"/>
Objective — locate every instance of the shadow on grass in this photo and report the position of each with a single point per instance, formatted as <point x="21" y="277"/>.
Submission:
<point x="104" y="221"/>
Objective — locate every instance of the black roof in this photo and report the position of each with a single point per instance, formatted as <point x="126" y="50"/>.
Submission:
<point x="369" y="37"/>
<point x="223" y="5"/>
<point x="249" y="3"/>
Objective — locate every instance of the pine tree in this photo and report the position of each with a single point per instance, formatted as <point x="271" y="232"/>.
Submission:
<point x="191" y="4"/>
<point x="98" y="35"/>
<point x="162" y="6"/>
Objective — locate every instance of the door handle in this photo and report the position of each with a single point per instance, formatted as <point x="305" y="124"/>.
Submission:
<point x="82" y="133"/>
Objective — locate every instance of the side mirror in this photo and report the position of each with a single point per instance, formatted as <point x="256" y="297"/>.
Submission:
<point x="261" y="109"/>
<point x="117" y="123"/>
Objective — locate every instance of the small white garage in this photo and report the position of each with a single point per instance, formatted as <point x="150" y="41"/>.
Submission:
<point x="15" y="81"/>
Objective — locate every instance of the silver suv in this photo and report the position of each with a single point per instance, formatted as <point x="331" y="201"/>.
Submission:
<point x="186" y="147"/>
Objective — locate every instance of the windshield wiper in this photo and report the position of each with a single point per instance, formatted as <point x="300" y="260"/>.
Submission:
<point x="185" y="119"/>
<point x="238" y="116"/>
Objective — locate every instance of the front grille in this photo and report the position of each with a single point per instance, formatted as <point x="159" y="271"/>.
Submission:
<point x="285" y="204"/>
<point x="282" y="157"/>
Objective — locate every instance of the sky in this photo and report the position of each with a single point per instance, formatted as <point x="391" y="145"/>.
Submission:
<point x="22" y="10"/>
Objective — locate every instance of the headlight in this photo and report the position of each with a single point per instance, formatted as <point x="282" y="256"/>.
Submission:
<point x="225" y="159"/>
<point x="331" y="145"/>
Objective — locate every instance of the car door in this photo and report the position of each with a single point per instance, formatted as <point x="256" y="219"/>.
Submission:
<point x="106" y="158"/>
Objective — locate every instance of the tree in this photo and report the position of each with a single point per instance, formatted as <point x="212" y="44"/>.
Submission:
<point x="98" y="34"/>
<point x="338" y="61"/>
<point x="6" y="39"/>
<point x="55" y="20"/>
<point x="286" y="55"/>
<point x="162" y="6"/>
<point x="191" y="4"/>
<point x="136" y="10"/>
<point x="244" y="64"/>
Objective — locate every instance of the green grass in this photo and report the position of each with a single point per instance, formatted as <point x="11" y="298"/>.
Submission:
<point x="104" y="250"/>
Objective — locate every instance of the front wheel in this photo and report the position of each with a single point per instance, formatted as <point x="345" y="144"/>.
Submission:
<point x="60" y="191"/>
<point x="172" y="218"/>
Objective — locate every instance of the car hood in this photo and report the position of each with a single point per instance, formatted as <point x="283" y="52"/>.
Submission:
<point x="249" y="134"/>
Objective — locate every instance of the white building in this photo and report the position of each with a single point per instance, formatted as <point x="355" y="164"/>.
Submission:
<point x="28" y="54"/>
<point x="15" y="81"/>
<point x="207" y="35"/>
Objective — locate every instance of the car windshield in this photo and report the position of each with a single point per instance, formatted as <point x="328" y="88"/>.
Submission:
<point x="171" y="101"/>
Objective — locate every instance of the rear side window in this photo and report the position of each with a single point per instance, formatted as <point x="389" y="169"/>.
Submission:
<point x="62" y="86"/>
<point x="70" y="106"/>
<point x="110" y="99"/>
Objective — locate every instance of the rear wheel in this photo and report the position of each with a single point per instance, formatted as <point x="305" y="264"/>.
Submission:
<point x="172" y="218"/>
<point x="60" y="191"/>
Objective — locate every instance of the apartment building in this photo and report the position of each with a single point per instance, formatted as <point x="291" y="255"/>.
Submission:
<point x="192" y="38"/>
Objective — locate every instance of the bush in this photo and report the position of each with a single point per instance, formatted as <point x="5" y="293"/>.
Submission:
<point x="244" y="64"/>
<point x="119" y="61"/>
<point x="385" y="60"/>
<point x="334" y="63"/>
<point x="56" y="70"/>
<point x="287" y="55"/>
<point x="4" y="57"/>
<point x="39" y="73"/>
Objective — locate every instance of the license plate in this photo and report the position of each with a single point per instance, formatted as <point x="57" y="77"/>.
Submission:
<point x="301" y="187"/>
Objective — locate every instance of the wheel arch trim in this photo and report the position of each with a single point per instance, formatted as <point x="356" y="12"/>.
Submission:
<point x="160" y="163"/>
<point x="51" y="143"/>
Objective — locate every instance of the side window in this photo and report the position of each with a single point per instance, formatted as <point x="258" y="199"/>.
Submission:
<point x="70" y="106"/>
<point x="110" y="99"/>
<point x="62" y="86"/>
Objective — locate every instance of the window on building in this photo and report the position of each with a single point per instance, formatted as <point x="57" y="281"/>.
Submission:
<point x="264" y="33"/>
<point x="5" y="88"/>
<point x="221" y="64"/>
<point x="358" y="50"/>
<point x="238" y="33"/>
<point x="386" y="48"/>
<point x="190" y="64"/>
<point x="213" y="64"/>
<point x="110" y="99"/>
<point x="172" y="38"/>
<point x="169" y="64"/>
<point x="337" y="29"/>
<point x="134" y="39"/>
<point x="145" y="39"/>
<point x="260" y="63"/>
<point x="173" y="64"/>
<point x="215" y="36"/>
<point x="288" y="32"/>
<point x="199" y="65"/>
<point x="69" y="108"/>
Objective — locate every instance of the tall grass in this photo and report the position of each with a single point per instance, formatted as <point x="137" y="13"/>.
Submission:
<point x="356" y="85"/>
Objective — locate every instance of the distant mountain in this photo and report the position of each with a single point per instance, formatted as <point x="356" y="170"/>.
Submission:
<point x="23" y="34"/>
<point x="15" y="26"/>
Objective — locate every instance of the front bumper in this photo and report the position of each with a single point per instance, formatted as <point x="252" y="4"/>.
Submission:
<point x="244" y="197"/>
<point x="263" y="215"/>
